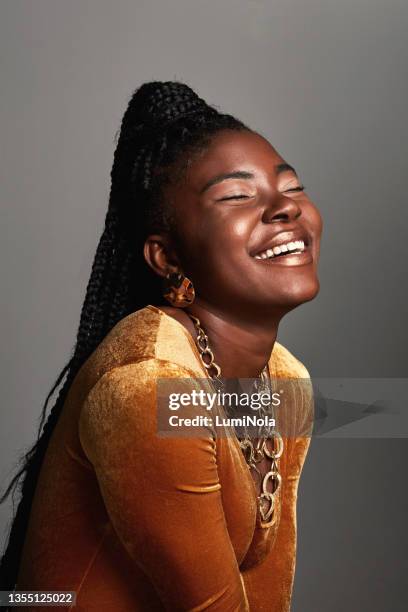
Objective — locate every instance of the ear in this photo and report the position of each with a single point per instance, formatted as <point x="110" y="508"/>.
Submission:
<point x="160" y="254"/>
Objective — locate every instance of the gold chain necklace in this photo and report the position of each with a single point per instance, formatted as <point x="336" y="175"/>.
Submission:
<point x="253" y="454"/>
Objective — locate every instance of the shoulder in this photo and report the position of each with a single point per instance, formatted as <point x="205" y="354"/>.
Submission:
<point x="145" y="336"/>
<point x="132" y="338"/>
<point x="132" y="381"/>
<point x="285" y="364"/>
<point x="127" y="401"/>
<point x="138" y="385"/>
<point x="126" y="398"/>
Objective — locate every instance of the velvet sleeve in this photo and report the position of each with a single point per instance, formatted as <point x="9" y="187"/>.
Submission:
<point x="162" y="494"/>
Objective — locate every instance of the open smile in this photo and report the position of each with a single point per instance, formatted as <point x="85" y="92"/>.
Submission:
<point x="292" y="253"/>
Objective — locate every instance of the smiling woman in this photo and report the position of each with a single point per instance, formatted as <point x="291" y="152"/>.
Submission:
<point x="205" y="214"/>
<point x="240" y="199"/>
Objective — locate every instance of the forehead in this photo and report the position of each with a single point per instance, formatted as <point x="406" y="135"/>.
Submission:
<point x="232" y="150"/>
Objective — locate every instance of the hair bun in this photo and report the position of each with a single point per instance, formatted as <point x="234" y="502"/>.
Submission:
<point x="157" y="104"/>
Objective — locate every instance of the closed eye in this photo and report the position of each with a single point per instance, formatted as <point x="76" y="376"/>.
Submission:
<point x="243" y="197"/>
<point x="300" y="188"/>
<point x="235" y="197"/>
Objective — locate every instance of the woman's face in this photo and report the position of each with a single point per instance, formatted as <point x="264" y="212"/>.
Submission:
<point x="238" y="200"/>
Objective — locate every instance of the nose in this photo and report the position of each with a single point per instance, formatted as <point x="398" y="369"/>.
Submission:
<point x="283" y="209"/>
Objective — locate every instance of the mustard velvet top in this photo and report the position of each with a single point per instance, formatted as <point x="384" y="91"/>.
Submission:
<point x="133" y="521"/>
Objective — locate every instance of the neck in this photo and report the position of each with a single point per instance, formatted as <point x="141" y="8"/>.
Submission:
<point x="242" y="346"/>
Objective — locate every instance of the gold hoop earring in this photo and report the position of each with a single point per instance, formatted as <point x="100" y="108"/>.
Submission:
<point x="178" y="290"/>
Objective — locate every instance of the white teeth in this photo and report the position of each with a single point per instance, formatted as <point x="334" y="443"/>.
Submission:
<point x="297" y="245"/>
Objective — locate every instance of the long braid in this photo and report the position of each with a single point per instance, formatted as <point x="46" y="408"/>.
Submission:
<point x="163" y="123"/>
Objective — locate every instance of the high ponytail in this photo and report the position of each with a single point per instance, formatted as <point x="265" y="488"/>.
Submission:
<point x="163" y="123"/>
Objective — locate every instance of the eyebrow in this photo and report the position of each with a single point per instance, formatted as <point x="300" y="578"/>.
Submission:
<point x="242" y="174"/>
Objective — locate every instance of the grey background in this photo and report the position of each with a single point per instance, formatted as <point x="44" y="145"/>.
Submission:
<point x="324" y="80"/>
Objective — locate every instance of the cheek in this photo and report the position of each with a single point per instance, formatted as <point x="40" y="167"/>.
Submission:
<point x="231" y="230"/>
<point x="215" y="254"/>
<point x="214" y="236"/>
<point x="239" y="231"/>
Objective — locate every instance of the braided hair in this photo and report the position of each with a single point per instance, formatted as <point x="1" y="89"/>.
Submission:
<point x="163" y="126"/>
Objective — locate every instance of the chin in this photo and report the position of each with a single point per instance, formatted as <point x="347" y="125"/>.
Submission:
<point x="301" y="294"/>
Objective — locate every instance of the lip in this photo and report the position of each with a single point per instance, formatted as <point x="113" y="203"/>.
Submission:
<point x="283" y="238"/>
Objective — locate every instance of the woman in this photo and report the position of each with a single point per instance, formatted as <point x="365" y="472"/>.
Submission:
<point x="206" y="216"/>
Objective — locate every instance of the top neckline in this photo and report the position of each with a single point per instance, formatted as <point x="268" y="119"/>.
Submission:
<point x="193" y="342"/>
<point x="190" y="338"/>
<point x="167" y="316"/>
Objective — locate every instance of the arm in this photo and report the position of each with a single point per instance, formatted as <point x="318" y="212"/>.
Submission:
<point x="162" y="494"/>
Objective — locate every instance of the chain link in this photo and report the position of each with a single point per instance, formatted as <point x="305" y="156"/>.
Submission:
<point x="253" y="454"/>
